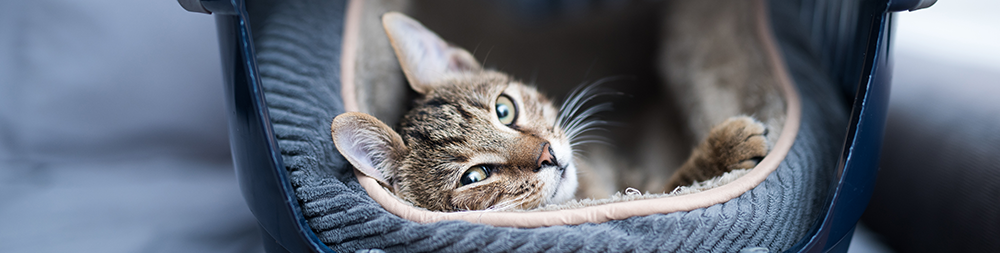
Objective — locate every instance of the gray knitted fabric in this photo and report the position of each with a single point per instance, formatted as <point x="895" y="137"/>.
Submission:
<point x="298" y="49"/>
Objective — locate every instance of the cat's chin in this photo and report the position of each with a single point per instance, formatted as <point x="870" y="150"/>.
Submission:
<point x="565" y="189"/>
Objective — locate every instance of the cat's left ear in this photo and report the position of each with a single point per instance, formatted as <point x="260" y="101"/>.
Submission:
<point x="426" y="59"/>
<point x="370" y="145"/>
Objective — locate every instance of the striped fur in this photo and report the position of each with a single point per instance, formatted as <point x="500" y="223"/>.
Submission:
<point x="453" y="127"/>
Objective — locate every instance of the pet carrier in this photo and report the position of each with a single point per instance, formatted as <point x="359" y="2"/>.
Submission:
<point x="291" y="66"/>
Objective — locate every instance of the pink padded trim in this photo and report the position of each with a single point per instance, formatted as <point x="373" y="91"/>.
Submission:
<point x="605" y="212"/>
<point x="349" y="54"/>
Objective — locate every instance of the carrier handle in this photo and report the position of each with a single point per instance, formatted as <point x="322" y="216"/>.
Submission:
<point x="910" y="5"/>
<point x="224" y="7"/>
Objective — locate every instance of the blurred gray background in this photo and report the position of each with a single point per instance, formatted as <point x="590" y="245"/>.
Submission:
<point x="112" y="131"/>
<point x="113" y="137"/>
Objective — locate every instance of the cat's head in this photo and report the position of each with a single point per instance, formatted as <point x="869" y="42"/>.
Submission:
<point x="477" y="139"/>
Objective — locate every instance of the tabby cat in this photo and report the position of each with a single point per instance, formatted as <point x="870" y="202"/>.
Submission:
<point x="478" y="139"/>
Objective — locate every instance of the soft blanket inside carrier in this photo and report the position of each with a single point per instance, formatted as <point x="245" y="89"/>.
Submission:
<point x="318" y="59"/>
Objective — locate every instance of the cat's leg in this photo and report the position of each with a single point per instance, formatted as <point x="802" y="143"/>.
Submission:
<point x="738" y="143"/>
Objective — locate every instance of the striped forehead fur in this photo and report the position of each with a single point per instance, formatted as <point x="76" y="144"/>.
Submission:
<point x="452" y="128"/>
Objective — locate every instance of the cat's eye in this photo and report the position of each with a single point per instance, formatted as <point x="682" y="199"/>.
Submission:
<point x="506" y="111"/>
<point x="475" y="174"/>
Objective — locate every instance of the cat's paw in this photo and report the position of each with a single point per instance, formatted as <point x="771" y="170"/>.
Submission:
<point x="738" y="143"/>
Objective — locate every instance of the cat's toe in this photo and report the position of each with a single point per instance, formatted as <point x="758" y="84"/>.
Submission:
<point x="740" y="141"/>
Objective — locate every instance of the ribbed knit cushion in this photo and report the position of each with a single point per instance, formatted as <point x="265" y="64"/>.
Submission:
<point x="298" y="48"/>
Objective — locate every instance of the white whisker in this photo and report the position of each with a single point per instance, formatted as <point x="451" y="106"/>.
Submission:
<point x="576" y="102"/>
<point x="585" y="126"/>
<point x="579" y="96"/>
<point x="510" y="203"/>
<point x="602" y="142"/>
<point x="577" y="119"/>
<point x="586" y="114"/>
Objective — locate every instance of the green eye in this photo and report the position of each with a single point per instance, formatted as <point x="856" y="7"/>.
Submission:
<point x="475" y="174"/>
<point x="506" y="111"/>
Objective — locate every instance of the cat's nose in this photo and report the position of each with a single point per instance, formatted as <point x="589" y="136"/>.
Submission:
<point x="546" y="158"/>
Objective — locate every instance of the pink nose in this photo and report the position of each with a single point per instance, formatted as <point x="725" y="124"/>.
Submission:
<point x="546" y="158"/>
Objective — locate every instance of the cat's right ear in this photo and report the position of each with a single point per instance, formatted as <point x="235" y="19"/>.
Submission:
<point x="426" y="59"/>
<point x="370" y="145"/>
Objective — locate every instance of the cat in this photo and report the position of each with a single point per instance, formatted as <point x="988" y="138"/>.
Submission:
<point x="478" y="139"/>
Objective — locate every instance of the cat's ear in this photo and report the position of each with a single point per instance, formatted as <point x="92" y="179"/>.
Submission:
<point x="370" y="145"/>
<point x="425" y="57"/>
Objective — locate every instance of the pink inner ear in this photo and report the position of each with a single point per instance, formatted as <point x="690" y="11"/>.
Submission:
<point x="456" y="63"/>
<point x="358" y="151"/>
<point x="424" y="56"/>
